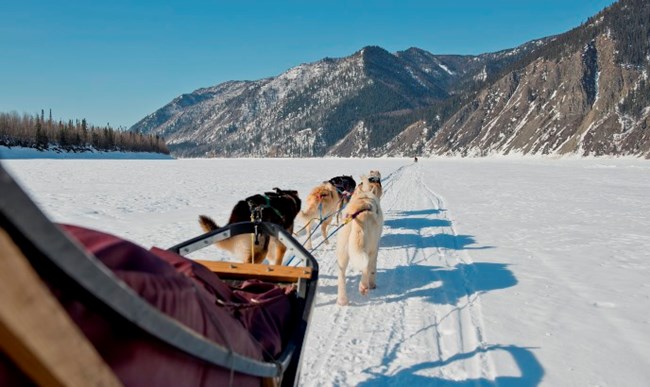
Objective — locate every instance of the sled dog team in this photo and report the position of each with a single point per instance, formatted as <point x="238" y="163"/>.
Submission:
<point x="357" y="210"/>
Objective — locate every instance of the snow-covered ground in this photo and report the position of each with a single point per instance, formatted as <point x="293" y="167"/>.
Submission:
<point x="491" y="271"/>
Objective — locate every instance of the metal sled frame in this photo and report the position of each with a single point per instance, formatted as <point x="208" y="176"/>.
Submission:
<point x="54" y="255"/>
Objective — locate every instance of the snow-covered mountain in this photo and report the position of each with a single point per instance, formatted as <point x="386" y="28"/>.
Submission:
<point x="317" y="108"/>
<point x="583" y="92"/>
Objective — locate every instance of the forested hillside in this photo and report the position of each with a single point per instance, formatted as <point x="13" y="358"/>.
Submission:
<point x="37" y="131"/>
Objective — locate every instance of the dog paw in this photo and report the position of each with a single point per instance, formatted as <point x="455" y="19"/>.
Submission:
<point x="363" y="289"/>
<point x="343" y="301"/>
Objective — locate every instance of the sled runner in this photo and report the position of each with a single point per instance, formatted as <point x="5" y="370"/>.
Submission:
<point x="81" y="307"/>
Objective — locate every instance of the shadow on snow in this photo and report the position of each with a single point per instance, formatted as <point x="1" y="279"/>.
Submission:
<point x="427" y="240"/>
<point x="435" y="284"/>
<point x="444" y="241"/>
<point x="531" y="371"/>
<point x="416" y="223"/>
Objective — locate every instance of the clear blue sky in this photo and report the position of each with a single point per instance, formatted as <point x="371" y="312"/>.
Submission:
<point x="115" y="61"/>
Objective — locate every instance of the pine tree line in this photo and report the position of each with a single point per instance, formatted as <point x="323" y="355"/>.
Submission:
<point x="37" y="131"/>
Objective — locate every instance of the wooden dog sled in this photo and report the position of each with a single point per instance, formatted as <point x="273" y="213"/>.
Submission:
<point x="82" y="308"/>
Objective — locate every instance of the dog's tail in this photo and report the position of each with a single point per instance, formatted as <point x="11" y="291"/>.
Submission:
<point x="207" y="224"/>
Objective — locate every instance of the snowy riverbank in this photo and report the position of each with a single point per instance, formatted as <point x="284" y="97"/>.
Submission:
<point x="32" y="153"/>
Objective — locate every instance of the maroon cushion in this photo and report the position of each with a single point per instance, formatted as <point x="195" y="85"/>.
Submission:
<point x="266" y="314"/>
<point x="263" y="308"/>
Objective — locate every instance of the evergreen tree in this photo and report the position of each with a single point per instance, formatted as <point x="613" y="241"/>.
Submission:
<point x="42" y="141"/>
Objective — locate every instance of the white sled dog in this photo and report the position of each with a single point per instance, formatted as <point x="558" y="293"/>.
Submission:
<point x="358" y="241"/>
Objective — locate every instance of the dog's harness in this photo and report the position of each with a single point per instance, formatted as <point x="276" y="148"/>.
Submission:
<point x="256" y="218"/>
<point x="320" y="202"/>
<point x="351" y="217"/>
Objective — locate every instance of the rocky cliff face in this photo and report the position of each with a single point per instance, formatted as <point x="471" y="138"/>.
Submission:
<point x="563" y="106"/>
<point x="584" y="93"/>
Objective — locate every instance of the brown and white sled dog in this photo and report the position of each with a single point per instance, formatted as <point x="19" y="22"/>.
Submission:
<point x="358" y="241"/>
<point x="279" y="207"/>
<point x="320" y="206"/>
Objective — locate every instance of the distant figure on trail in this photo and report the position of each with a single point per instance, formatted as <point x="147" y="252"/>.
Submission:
<point x="416" y="159"/>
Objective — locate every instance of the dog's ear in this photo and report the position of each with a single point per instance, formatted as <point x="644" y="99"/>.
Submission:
<point x="364" y="185"/>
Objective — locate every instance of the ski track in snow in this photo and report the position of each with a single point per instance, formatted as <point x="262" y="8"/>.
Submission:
<point x="423" y="288"/>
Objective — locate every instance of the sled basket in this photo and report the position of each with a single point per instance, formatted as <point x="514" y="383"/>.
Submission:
<point x="97" y="316"/>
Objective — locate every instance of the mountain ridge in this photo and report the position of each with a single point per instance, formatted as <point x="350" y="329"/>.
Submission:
<point x="581" y="92"/>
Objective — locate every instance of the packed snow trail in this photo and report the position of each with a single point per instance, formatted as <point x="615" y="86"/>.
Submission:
<point x="425" y="310"/>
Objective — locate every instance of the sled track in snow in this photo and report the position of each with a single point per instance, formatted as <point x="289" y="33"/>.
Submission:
<point x="423" y="319"/>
